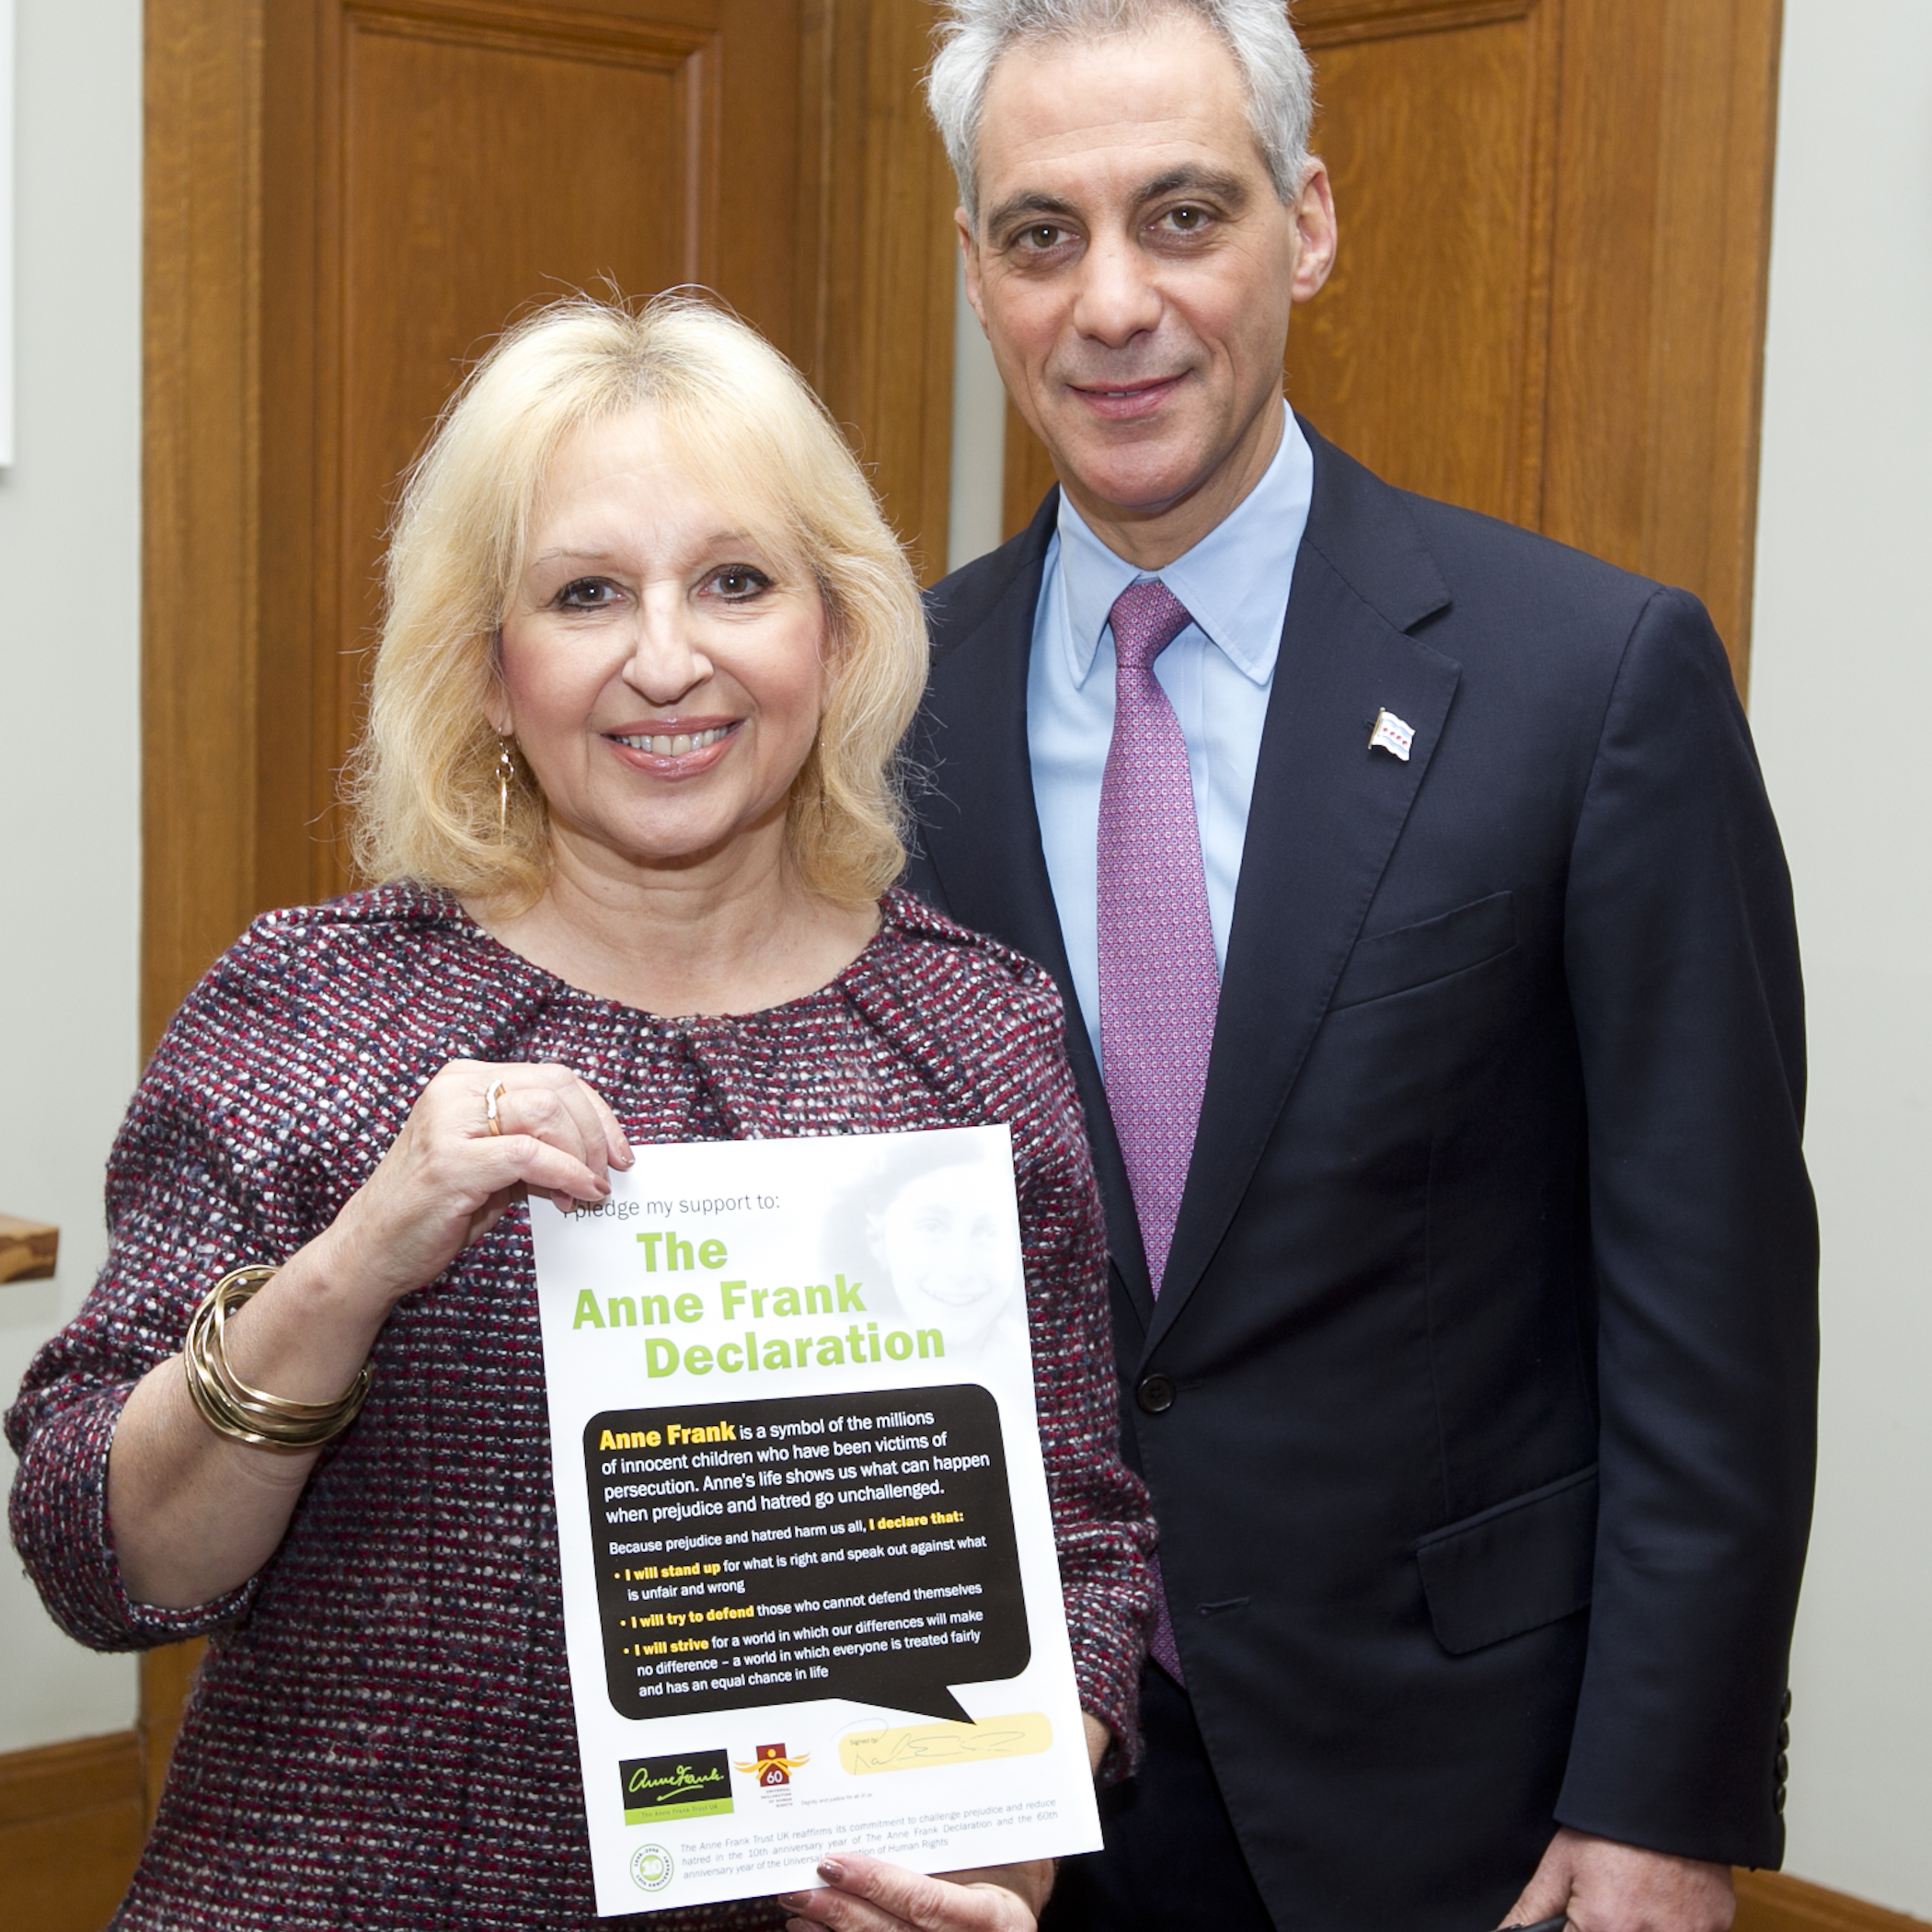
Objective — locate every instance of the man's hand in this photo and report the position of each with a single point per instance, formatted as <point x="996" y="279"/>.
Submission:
<point x="862" y="1894"/>
<point x="1607" y="1887"/>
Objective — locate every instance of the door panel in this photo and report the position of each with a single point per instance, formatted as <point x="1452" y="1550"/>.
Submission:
<point x="472" y="160"/>
<point x="346" y="200"/>
<point x="1437" y="305"/>
<point x="452" y="223"/>
<point x="1549" y="301"/>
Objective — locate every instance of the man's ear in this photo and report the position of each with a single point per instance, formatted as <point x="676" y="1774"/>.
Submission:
<point x="1315" y="225"/>
<point x="969" y="261"/>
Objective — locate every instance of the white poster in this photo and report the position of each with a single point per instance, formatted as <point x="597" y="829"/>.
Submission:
<point x="811" y="1597"/>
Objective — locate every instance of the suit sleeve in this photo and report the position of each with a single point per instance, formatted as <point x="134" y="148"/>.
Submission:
<point x="1681" y="960"/>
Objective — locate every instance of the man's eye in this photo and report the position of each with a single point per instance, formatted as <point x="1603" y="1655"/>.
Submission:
<point x="588" y="593"/>
<point x="1188" y="221"/>
<point x="738" y="584"/>
<point x="1042" y="237"/>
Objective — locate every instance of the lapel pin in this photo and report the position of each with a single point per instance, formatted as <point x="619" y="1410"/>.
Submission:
<point x="1392" y="735"/>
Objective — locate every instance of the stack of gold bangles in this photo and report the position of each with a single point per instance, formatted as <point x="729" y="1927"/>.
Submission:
<point x="230" y="1407"/>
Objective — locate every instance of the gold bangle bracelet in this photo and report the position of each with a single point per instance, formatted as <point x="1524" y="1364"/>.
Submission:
<point x="230" y="1407"/>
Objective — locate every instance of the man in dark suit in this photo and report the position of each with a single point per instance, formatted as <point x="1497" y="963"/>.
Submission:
<point x="1433" y="990"/>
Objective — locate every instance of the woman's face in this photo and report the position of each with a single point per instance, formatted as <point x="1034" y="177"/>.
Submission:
<point x="942" y="1248"/>
<point x="663" y="675"/>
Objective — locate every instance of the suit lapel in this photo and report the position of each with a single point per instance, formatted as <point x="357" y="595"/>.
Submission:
<point x="981" y="835"/>
<point x="1325" y="816"/>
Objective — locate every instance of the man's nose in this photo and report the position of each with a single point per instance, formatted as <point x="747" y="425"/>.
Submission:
<point x="1118" y="297"/>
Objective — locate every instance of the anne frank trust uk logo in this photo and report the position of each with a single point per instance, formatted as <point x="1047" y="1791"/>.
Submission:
<point x="691" y="1784"/>
<point x="772" y="1769"/>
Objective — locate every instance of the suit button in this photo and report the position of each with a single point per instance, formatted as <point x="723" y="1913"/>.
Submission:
<point x="1155" y="1395"/>
<point x="1784" y="1737"/>
<point x="1782" y="1767"/>
<point x="1785" y="1709"/>
<point x="1777" y="1801"/>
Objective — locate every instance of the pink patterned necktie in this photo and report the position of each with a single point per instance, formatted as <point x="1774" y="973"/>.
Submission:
<point x="1159" y="982"/>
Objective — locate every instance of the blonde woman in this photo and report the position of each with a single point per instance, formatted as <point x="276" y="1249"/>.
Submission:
<point x="629" y="783"/>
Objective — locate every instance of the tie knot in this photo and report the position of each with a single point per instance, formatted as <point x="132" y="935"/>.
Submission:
<point x="1147" y="617"/>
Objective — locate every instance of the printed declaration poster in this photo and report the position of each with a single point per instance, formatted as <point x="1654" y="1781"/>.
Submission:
<point x="811" y="1597"/>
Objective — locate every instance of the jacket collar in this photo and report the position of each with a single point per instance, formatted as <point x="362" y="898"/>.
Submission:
<point x="1326" y="814"/>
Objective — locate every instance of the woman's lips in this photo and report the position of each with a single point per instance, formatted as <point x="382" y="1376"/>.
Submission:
<point x="1128" y="402"/>
<point x="683" y="752"/>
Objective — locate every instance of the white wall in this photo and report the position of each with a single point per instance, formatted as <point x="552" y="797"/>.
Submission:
<point x="70" y="822"/>
<point x="1841" y="702"/>
<point x="979" y="437"/>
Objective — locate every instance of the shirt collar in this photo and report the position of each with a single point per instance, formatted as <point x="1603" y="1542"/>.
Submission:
<point x="1234" y="581"/>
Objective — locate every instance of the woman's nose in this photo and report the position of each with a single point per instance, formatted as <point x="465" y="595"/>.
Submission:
<point x="666" y="658"/>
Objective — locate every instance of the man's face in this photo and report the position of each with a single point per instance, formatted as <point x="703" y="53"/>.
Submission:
<point x="1134" y="268"/>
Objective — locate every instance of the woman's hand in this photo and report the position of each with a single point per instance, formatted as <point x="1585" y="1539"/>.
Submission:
<point x="862" y="1894"/>
<point x="448" y="1176"/>
<point x="194" y="1515"/>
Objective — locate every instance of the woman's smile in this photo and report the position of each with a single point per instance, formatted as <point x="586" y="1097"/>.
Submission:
<point x="677" y="749"/>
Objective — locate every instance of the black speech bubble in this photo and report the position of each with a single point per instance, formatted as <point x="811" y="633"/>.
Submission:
<point x="731" y="1574"/>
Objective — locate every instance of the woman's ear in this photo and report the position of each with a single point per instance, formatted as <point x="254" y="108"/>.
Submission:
<point x="496" y="705"/>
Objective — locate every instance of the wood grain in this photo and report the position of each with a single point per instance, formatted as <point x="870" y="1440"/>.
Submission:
<point x="71" y="1829"/>
<point x="200" y="523"/>
<point x="345" y="200"/>
<point x="29" y="1249"/>
<point x="1774" y="1902"/>
<point x="1549" y="302"/>
<point x="880" y="216"/>
<point x="166" y="1676"/>
<point x="1424" y="356"/>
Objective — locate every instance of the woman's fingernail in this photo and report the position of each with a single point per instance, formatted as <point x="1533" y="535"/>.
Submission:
<point x="792" y="1901"/>
<point x="833" y="1872"/>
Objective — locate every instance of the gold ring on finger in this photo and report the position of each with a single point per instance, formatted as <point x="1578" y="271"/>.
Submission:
<point x="491" y="1118"/>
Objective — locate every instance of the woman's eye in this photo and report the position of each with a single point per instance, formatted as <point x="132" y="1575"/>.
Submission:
<point x="739" y="583"/>
<point x="588" y="593"/>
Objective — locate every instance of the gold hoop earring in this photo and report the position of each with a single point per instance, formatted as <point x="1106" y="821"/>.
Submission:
<point x="506" y="778"/>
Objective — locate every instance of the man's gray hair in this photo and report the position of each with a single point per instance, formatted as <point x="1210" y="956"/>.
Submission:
<point x="974" y="34"/>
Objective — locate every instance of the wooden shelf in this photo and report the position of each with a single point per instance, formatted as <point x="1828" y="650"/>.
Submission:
<point x="27" y="1249"/>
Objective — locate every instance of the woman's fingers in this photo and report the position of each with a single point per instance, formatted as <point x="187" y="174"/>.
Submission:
<point x="522" y="1160"/>
<point x="616" y="1141"/>
<point x="864" y="1894"/>
<point x="448" y="1175"/>
<point x="556" y="1106"/>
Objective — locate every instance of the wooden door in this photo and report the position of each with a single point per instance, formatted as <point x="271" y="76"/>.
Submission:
<point x="1550" y="300"/>
<point x="347" y="199"/>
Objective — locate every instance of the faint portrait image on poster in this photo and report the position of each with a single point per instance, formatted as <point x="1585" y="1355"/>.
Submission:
<point x="939" y="1252"/>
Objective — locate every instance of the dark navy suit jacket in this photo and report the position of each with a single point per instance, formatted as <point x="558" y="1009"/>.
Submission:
<point x="1478" y="1402"/>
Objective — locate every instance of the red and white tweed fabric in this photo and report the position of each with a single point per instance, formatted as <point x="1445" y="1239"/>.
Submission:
<point x="381" y="1736"/>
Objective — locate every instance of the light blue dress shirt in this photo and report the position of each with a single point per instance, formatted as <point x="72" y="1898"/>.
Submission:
<point x="1217" y="675"/>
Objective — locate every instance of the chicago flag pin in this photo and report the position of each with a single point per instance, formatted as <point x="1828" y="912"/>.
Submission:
<point x="1392" y="735"/>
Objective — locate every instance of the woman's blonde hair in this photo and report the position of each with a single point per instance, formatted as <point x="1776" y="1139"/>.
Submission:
<point x="424" y="780"/>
